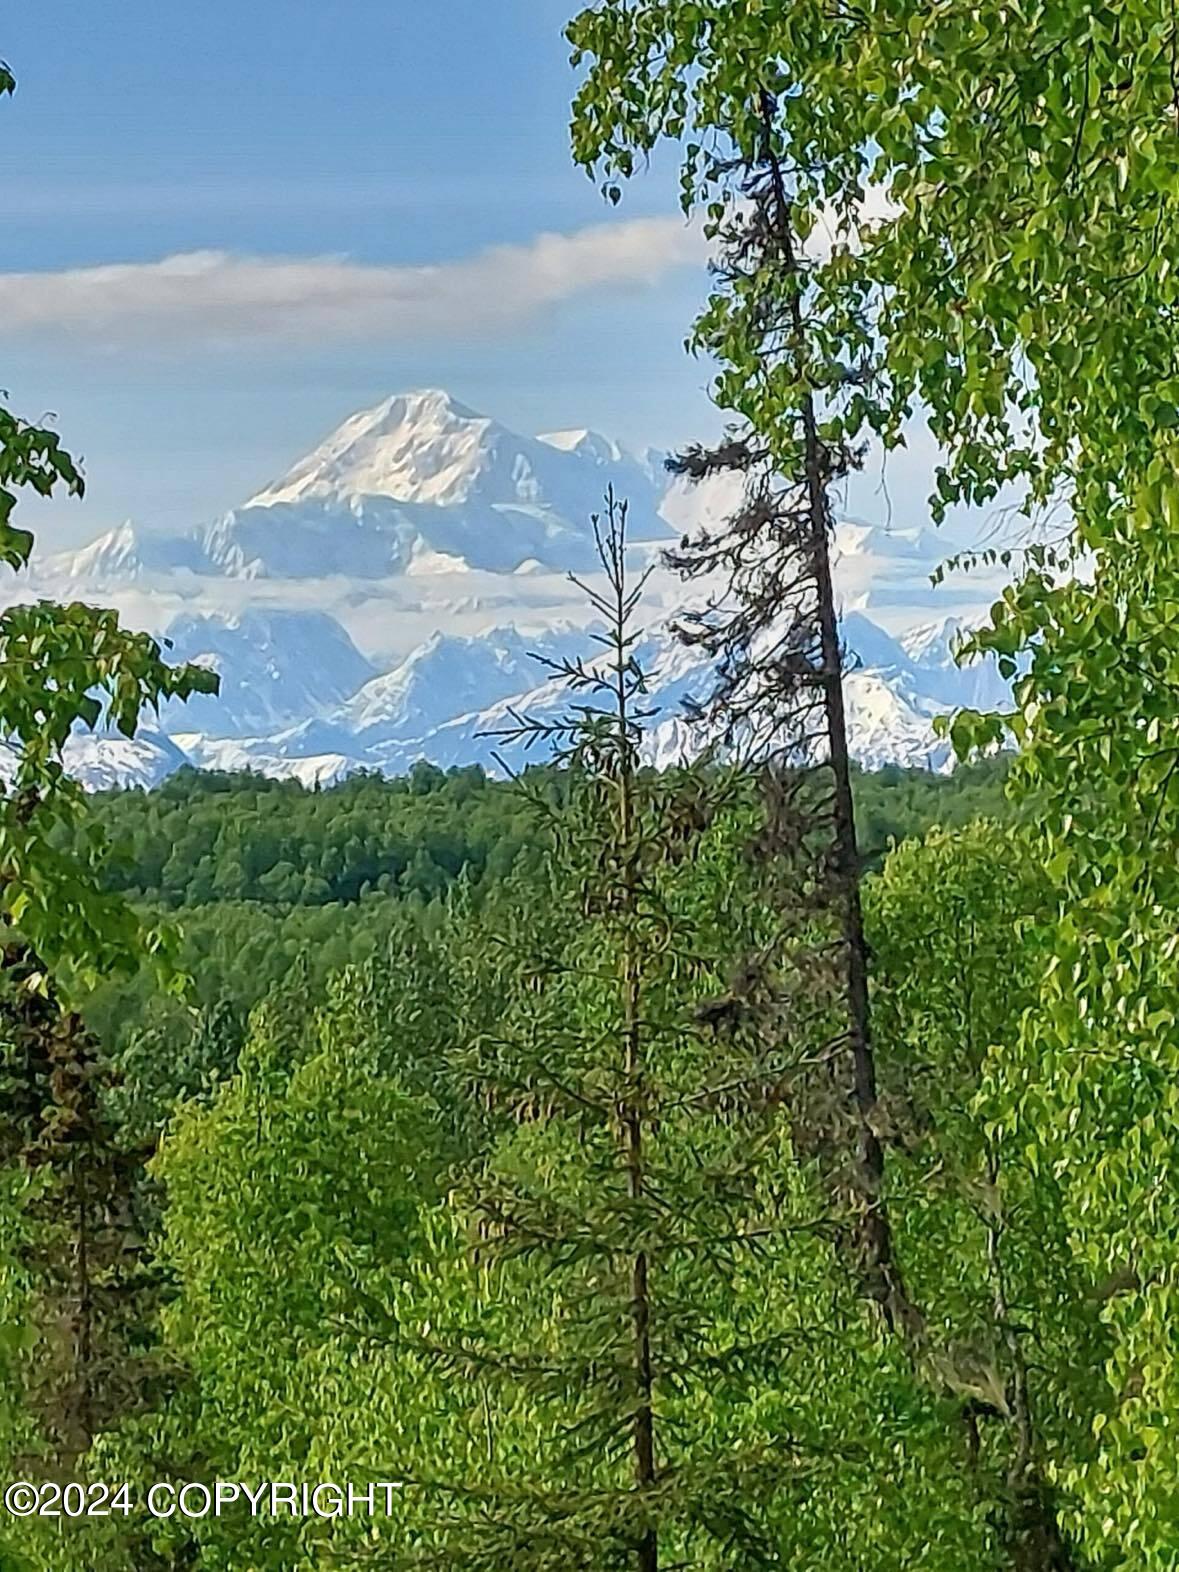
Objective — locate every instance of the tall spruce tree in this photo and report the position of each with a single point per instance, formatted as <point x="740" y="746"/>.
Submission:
<point x="772" y="622"/>
<point x="644" y="1175"/>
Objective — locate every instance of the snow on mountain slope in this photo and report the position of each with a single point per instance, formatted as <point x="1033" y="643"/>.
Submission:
<point x="426" y="447"/>
<point x="229" y="755"/>
<point x="101" y="760"/>
<point x="867" y="645"/>
<point x="126" y="553"/>
<point x="418" y="481"/>
<point x="413" y="447"/>
<point x="922" y="661"/>
<point x="602" y="449"/>
<point x="276" y="667"/>
<point x="450" y="676"/>
<point x="470" y="737"/>
<point x="891" y="723"/>
<point x="435" y="534"/>
<point x="620" y="465"/>
<point x="891" y="703"/>
<point x="105" y="759"/>
<point x="934" y="643"/>
<point x="370" y="537"/>
<point x="445" y="677"/>
<point x="858" y="540"/>
<point x="441" y="703"/>
<point x="933" y="647"/>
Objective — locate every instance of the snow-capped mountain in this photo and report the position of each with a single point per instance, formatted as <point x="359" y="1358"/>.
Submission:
<point x="381" y="602"/>
<point x="104" y="759"/>
<point x="276" y="668"/>
<point x="934" y="641"/>
<point x="420" y="483"/>
<point x="472" y="673"/>
<point x="891" y="701"/>
<point x="451" y="701"/>
<point x="448" y="675"/>
<point x="923" y="662"/>
<point x="125" y="554"/>
<point x="427" y="448"/>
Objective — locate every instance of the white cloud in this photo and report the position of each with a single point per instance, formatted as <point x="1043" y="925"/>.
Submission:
<point x="220" y="296"/>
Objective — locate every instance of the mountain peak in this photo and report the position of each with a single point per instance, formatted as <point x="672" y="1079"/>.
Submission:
<point x="511" y="499"/>
<point x="123" y="554"/>
<point x="417" y="407"/>
<point x="277" y="665"/>
<point x="420" y="446"/>
<point x="935" y="643"/>
<point x="590" y="444"/>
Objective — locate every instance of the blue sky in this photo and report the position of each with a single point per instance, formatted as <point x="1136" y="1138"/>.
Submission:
<point x="317" y="156"/>
<point x="387" y="132"/>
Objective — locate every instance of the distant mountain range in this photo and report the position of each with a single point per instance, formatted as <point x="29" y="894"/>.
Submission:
<point x="446" y="698"/>
<point x="383" y="601"/>
<point x="419" y="484"/>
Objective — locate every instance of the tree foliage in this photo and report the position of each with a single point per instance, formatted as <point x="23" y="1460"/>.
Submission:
<point x="62" y="668"/>
<point x="989" y="194"/>
<point x="73" y="1287"/>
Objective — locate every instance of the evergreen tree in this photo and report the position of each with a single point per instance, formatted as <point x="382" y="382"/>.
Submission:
<point x="85" y="1361"/>
<point x="636" y="1181"/>
<point x="773" y="626"/>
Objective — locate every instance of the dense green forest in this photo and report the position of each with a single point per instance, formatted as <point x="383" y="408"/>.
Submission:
<point x="206" y="840"/>
<point x="256" y="872"/>
<point x="744" y="1165"/>
<point x="262" y="878"/>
